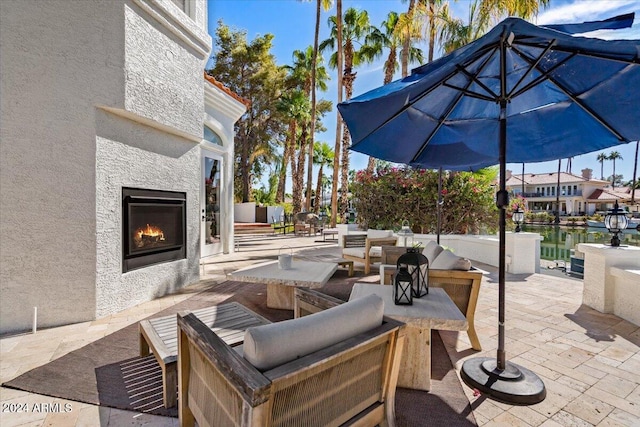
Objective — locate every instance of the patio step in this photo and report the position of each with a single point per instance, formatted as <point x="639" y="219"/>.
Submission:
<point x="241" y="228"/>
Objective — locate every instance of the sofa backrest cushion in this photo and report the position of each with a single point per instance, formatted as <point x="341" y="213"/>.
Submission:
<point x="448" y="261"/>
<point x="268" y="346"/>
<point x="376" y="234"/>
<point x="432" y="250"/>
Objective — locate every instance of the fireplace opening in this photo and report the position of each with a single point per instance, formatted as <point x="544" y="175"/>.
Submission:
<point x="154" y="227"/>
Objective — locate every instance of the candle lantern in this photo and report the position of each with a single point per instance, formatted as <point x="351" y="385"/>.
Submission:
<point x="402" y="287"/>
<point x="406" y="233"/>
<point x="418" y="266"/>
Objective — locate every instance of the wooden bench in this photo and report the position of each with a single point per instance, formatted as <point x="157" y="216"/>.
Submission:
<point x="160" y="335"/>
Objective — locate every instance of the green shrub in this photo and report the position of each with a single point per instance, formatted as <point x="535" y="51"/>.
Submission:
<point x="387" y="197"/>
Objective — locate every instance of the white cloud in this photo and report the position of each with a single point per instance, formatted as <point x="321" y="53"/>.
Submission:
<point x="581" y="11"/>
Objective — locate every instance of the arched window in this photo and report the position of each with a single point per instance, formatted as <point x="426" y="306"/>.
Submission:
<point x="211" y="136"/>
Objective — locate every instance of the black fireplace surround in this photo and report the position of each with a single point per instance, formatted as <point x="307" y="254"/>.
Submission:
<point x="153" y="227"/>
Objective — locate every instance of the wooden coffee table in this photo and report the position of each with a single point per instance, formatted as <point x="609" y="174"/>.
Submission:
<point x="432" y="311"/>
<point x="228" y="321"/>
<point x="281" y="283"/>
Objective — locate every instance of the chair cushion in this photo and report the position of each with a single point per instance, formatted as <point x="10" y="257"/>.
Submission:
<point x="268" y="346"/>
<point x="376" y="234"/>
<point x="432" y="250"/>
<point x="374" y="251"/>
<point x="357" y="252"/>
<point x="448" y="261"/>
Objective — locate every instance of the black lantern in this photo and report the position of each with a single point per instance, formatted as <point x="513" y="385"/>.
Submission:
<point x="402" y="287"/>
<point x="518" y="218"/>
<point x="616" y="221"/>
<point x="418" y="266"/>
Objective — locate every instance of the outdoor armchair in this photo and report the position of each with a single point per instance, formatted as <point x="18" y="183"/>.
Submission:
<point x="366" y="248"/>
<point x="350" y="378"/>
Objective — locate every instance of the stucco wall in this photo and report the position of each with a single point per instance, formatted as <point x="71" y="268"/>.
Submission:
<point x="62" y="64"/>
<point x="130" y="154"/>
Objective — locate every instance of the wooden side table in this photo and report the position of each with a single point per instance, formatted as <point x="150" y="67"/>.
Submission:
<point x="228" y="321"/>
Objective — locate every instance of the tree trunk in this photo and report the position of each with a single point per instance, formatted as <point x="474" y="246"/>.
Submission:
<point x="371" y="164"/>
<point x="432" y="28"/>
<point x="318" y="190"/>
<point x="336" y="158"/>
<point x="313" y="104"/>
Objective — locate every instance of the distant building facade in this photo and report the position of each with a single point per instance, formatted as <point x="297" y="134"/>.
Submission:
<point x="579" y="195"/>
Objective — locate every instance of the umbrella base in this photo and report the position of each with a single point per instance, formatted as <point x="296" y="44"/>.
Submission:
<point x="514" y="385"/>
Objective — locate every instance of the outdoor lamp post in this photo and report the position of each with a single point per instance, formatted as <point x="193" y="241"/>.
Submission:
<point x="518" y="218"/>
<point x="402" y="287"/>
<point x="407" y="233"/>
<point x="615" y="221"/>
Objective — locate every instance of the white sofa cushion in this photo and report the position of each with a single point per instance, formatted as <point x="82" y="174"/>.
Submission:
<point x="377" y="234"/>
<point x="268" y="346"/>
<point x="448" y="261"/>
<point x="431" y="251"/>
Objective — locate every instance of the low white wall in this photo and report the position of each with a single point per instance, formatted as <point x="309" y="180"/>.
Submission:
<point x="605" y="286"/>
<point x="522" y="249"/>
<point x="626" y="300"/>
<point x="244" y="212"/>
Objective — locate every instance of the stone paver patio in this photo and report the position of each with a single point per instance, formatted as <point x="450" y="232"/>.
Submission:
<point x="589" y="361"/>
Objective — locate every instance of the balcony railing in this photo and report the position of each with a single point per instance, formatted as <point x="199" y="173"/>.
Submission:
<point x="577" y="193"/>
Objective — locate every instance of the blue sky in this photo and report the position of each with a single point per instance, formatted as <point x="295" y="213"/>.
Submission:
<point x="292" y="23"/>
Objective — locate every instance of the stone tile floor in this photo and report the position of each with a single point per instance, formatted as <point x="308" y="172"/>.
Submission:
<point x="589" y="361"/>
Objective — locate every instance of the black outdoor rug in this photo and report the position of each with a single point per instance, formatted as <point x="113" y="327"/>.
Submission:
<point x="109" y="372"/>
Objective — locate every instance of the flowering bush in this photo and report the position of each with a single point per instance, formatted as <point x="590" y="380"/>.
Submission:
<point x="388" y="196"/>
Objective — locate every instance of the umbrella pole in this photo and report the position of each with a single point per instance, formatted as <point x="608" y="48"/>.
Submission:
<point x="505" y="382"/>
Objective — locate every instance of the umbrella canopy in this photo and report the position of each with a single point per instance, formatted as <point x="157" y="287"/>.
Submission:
<point x="564" y="96"/>
<point x="519" y="94"/>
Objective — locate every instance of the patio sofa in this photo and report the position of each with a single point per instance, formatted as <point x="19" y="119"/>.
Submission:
<point x="459" y="279"/>
<point x="366" y="248"/>
<point x="337" y="366"/>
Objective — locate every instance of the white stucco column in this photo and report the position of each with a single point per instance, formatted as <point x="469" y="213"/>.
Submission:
<point x="524" y="251"/>
<point x="599" y="283"/>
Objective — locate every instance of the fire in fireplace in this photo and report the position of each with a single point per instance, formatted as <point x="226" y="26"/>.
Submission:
<point x="154" y="227"/>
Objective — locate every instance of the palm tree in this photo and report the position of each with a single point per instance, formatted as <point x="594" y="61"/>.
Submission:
<point x="601" y="158"/>
<point x="355" y="29"/>
<point x="294" y="105"/>
<point x="454" y="33"/>
<point x="326" y="5"/>
<point x="322" y="155"/>
<point x="409" y="30"/>
<point x="301" y="75"/>
<point x="614" y="155"/>
<point x="388" y="37"/>
<point x="336" y="152"/>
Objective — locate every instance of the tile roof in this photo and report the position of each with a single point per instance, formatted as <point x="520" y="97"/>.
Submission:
<point x="610" y="194"/>
<point x="548" y="178"/>
<point x="226" y="90"/>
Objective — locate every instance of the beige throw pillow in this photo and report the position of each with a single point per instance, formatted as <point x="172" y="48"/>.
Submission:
<point x="448" y="261"/>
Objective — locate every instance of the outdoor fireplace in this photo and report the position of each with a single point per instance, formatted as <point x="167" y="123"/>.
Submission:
<point x="154" y="227"/>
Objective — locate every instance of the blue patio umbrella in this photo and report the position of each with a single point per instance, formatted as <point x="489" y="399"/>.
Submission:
<point x="520" y="94"/>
